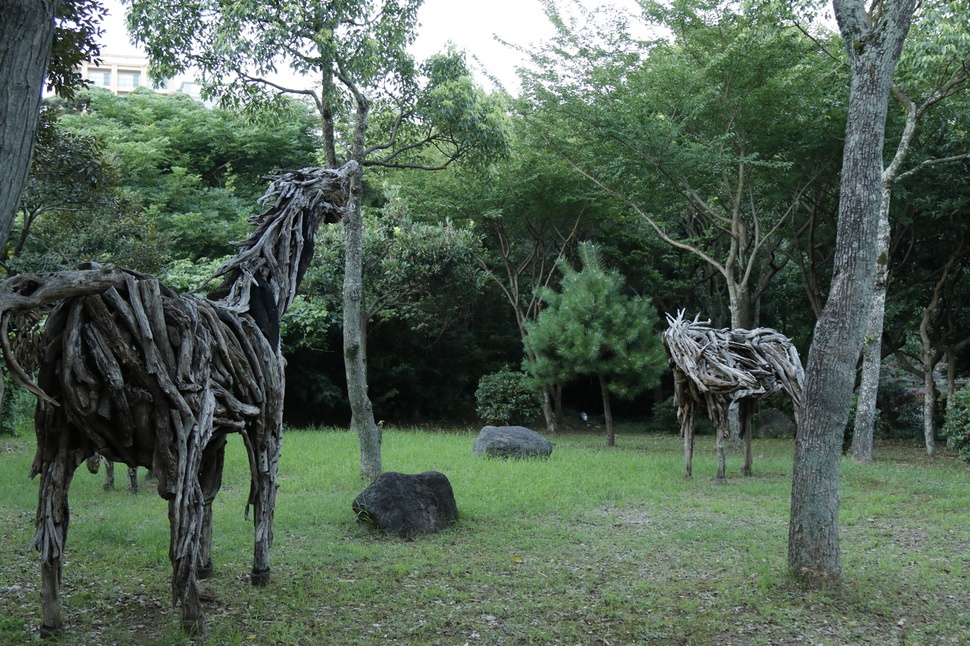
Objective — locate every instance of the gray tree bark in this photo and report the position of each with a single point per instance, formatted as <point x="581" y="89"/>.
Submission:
<point x="26" y="33"/>
<point x="355" y="349"/>
<point x="874" y="43"/>
<point x="865" y="414"/>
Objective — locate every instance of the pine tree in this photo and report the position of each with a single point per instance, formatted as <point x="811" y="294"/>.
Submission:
<point x="591" y="327"/>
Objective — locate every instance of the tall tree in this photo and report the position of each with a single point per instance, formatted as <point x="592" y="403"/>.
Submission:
<point x="37" y="38"/>
<point x="592" y="328"/>
<point x="26" y="34"/>
<point x="873" y="40"/>
<point x="375" y="106"/>
<point x="935" y="66"/>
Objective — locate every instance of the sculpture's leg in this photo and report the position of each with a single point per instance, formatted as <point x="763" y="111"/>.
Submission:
<point x="746" y="412"/>
<point x="109" y="474"/>
<point x="132" y="480"/>
<point x="687" y="431"/>
<point x="264" y="503"/>
<point x="722" y="432"/>
<point x="53" y="516"/>
<point x="185" y="518"/>
<point x="210" y="477"/>
<point x="722" y="435"/>
<point x="685" y="414"/>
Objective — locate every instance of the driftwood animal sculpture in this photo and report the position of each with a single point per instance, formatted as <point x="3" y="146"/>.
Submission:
<point x="722" y="368"/>
<point x="150" y="378"/>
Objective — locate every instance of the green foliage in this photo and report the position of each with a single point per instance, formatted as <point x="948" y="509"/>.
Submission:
<point x="196" y="172"/>
<point x="507" y="397"/>
<point x="420" y="272"/>
<point x="186" y="275"/>
<point x="16" y="413"/>
<point x="306" y="323"/>
<point x="899" y="412"/>
<point x="956" y="429"/>
<point x="724" y="102"/>
<point x="73" y="208"/>
<point x="368" y="38"/>
<point x="77" y="29"/>
<point x="592" y="328"/>
<point x="663" y="418"/>
<point x="420" y="116"/>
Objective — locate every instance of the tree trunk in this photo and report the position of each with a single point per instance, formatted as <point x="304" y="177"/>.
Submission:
<point x="814" y="554"/>
<point x="549" y="412"/>
<point x="26" y="33"/>
<point x="355" y="360"/>
<point x="929" y="400"/>
<point x="865" y="415"/>
<point x="607" y="412"/>
<point x="355" y="351"/>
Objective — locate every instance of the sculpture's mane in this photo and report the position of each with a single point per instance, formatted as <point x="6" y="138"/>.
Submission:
<point x="299" y="201"/>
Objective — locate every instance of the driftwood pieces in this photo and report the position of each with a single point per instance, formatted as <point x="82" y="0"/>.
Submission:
<point x="721" y="368"/>
<point x="142" y="375"/>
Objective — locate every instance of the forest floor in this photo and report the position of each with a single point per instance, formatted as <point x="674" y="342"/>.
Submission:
<point x="591" y="546"/>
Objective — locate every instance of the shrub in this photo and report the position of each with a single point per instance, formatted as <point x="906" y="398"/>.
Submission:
<point x="506" y="397"/>
<point x="956" y="429"/>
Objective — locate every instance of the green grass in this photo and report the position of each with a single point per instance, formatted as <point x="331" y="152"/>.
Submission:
<point x="592" y="546"/>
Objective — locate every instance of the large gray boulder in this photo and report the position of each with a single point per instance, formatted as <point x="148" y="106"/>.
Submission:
<point x="511" y="442"/>
<point x="405" y="504"/>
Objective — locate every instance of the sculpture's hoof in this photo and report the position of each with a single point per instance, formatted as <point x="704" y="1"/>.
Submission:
<point x="260" y="578"/>
<point x="205" y="571"/>
<point x="193" y="627"/>
<point x="48" y="632"/>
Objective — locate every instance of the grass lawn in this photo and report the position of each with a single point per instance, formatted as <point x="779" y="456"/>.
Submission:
<point x="592" y="546"/>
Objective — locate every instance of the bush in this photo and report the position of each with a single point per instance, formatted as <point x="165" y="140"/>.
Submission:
<point x="506" y="397"/>
<point x="956" y="429"/>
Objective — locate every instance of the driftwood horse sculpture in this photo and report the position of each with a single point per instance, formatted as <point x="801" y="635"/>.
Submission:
<point x="150" y="378"/>
<point x="722" y="368"/>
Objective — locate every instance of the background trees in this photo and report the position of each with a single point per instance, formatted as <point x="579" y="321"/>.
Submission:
<point x="726" y="102"/>
<point x="933" y="69"/>
<point x="678" y="128"/>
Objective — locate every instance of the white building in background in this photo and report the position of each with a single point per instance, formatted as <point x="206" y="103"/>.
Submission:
<point x="122" y="74"/>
